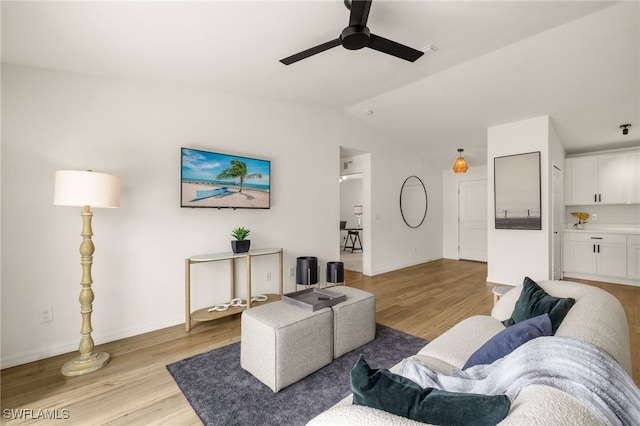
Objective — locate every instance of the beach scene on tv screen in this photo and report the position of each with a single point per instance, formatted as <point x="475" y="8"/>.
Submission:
<point x="212" y="179"/>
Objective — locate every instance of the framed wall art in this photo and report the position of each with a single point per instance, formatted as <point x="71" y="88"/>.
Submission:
<point x="517" y="191"/>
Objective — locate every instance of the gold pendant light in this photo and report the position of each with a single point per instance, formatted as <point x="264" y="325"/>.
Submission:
<point x="460" y="165"/>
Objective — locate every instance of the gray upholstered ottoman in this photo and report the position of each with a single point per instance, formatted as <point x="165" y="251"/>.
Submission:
<point x="282" y="343"/>
<point x="354" y="320"/>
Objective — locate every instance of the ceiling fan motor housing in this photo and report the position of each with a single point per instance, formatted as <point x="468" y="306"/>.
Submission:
<point x="355" y="37"/>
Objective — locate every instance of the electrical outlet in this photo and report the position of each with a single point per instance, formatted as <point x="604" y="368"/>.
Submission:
<point x="268" y="276"/>
<point x="45" y="314"/>
<point x="594" y="216"/>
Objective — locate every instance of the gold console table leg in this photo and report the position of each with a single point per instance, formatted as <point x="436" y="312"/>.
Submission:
<point x="187" y="294"/>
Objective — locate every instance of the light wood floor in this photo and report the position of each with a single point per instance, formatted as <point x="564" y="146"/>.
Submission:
<point x="135" y="387"/>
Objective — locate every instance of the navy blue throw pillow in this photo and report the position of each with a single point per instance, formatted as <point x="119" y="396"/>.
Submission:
<point x="505" y="342"/>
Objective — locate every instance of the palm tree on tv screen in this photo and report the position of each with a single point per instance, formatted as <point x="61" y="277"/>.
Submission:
<point x="238" y="169"/>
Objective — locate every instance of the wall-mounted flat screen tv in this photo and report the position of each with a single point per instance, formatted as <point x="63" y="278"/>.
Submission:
<point x="212" y="179"/>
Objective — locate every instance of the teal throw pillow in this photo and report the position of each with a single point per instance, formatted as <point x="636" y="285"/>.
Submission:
<point x="505" y="342"/>
<point x="535" y="301"/>
<point x="381" y="389"/>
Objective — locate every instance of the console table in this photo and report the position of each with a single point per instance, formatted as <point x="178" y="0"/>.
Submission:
<point x="204" y="314"/>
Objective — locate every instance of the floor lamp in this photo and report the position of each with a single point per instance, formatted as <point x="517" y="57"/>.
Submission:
<point x="86" y="189"/>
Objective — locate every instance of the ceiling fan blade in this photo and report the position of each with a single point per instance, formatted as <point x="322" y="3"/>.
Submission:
<point x="359" y="12"/>
<point x="310" y="52"/>
<point x="390" y="47"/>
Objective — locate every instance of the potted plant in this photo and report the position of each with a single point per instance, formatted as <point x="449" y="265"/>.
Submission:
<point x="582" y="219"/>
<point x="240" y="244"/>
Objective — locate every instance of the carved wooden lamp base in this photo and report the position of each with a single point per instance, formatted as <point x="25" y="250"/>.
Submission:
<point x="85" y="364"/>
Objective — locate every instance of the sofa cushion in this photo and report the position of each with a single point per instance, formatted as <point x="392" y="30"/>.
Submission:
<point x="456" y="345"/>
<point x="535" y="301"/>
<point x="381" y="389"/>
<point x="510" y="338"/>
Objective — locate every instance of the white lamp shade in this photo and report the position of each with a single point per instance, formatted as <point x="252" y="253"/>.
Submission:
<point x="357" y="209"/>
<point x="86" y="188"/>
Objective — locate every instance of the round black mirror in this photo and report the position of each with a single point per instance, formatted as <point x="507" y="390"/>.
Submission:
<point x="413" y="202"/>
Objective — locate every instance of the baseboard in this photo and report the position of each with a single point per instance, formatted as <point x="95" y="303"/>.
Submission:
<point x="500" y="281"/>
<point x="600" y="278"/>
<point x="408" y="265"/>
<point x="70" y="347"/>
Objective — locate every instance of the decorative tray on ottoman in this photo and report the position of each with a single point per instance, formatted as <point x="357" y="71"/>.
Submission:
<point x="313" y="299"/>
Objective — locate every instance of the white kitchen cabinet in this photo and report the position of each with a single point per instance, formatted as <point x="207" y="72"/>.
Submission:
<point x="633" y="257"/>
<point x="581" y="180"/>
<point x="611" y="258"/>
<point x="579" y="256"/>
<point x="595" y="254"/>
<point x="633" y="171"/>
<point x="603" y="179"/>
<point x="612" y="179"/>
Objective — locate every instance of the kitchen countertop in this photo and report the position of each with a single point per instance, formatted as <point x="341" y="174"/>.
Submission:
<point x="607" y="229"/>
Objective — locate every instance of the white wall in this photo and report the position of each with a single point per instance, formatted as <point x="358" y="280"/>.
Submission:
<point x="404" y="245"/>
<point x="393" y="244"/>
<point x="514" y="254"/>
<point x="54" y="121"/>
<point x="450" y="182"/>
<point x="351" y="190"/>
<point x="350" y="195"/>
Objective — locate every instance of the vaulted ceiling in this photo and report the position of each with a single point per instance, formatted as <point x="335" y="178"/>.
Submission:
<point x="496" y="61"/>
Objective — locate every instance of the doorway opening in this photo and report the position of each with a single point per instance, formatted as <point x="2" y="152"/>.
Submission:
<point x="354" y="245"/>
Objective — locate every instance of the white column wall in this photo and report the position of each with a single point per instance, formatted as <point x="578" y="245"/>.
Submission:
<point x="514" y="254"/>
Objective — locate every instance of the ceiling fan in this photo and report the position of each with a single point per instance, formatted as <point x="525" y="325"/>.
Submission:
<point x="357" y="36"/>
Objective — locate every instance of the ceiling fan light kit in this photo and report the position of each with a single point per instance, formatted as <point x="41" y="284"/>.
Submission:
<point x="357" y="36"/>
<point x="460" y="166"/>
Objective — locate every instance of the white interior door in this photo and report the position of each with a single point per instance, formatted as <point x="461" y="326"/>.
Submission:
<point x="558" y="220"/>
<point x="472" y="220"/>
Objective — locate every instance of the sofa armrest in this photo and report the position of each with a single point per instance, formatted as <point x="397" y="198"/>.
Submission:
<point x="544" y="405"/>
<point x="504" y="307"/>
<point x="343" y="415"/>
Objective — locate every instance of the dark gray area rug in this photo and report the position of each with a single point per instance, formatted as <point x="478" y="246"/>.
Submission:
<point x="222" y="393"/>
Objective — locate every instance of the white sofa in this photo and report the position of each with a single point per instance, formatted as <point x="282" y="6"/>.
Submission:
<point x="597" y="317"/>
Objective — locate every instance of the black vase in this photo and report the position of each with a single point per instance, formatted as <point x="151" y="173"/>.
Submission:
<point x="240" y="246"/>
<point x="307" y="270"/>
<point x="335" y="272"/>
